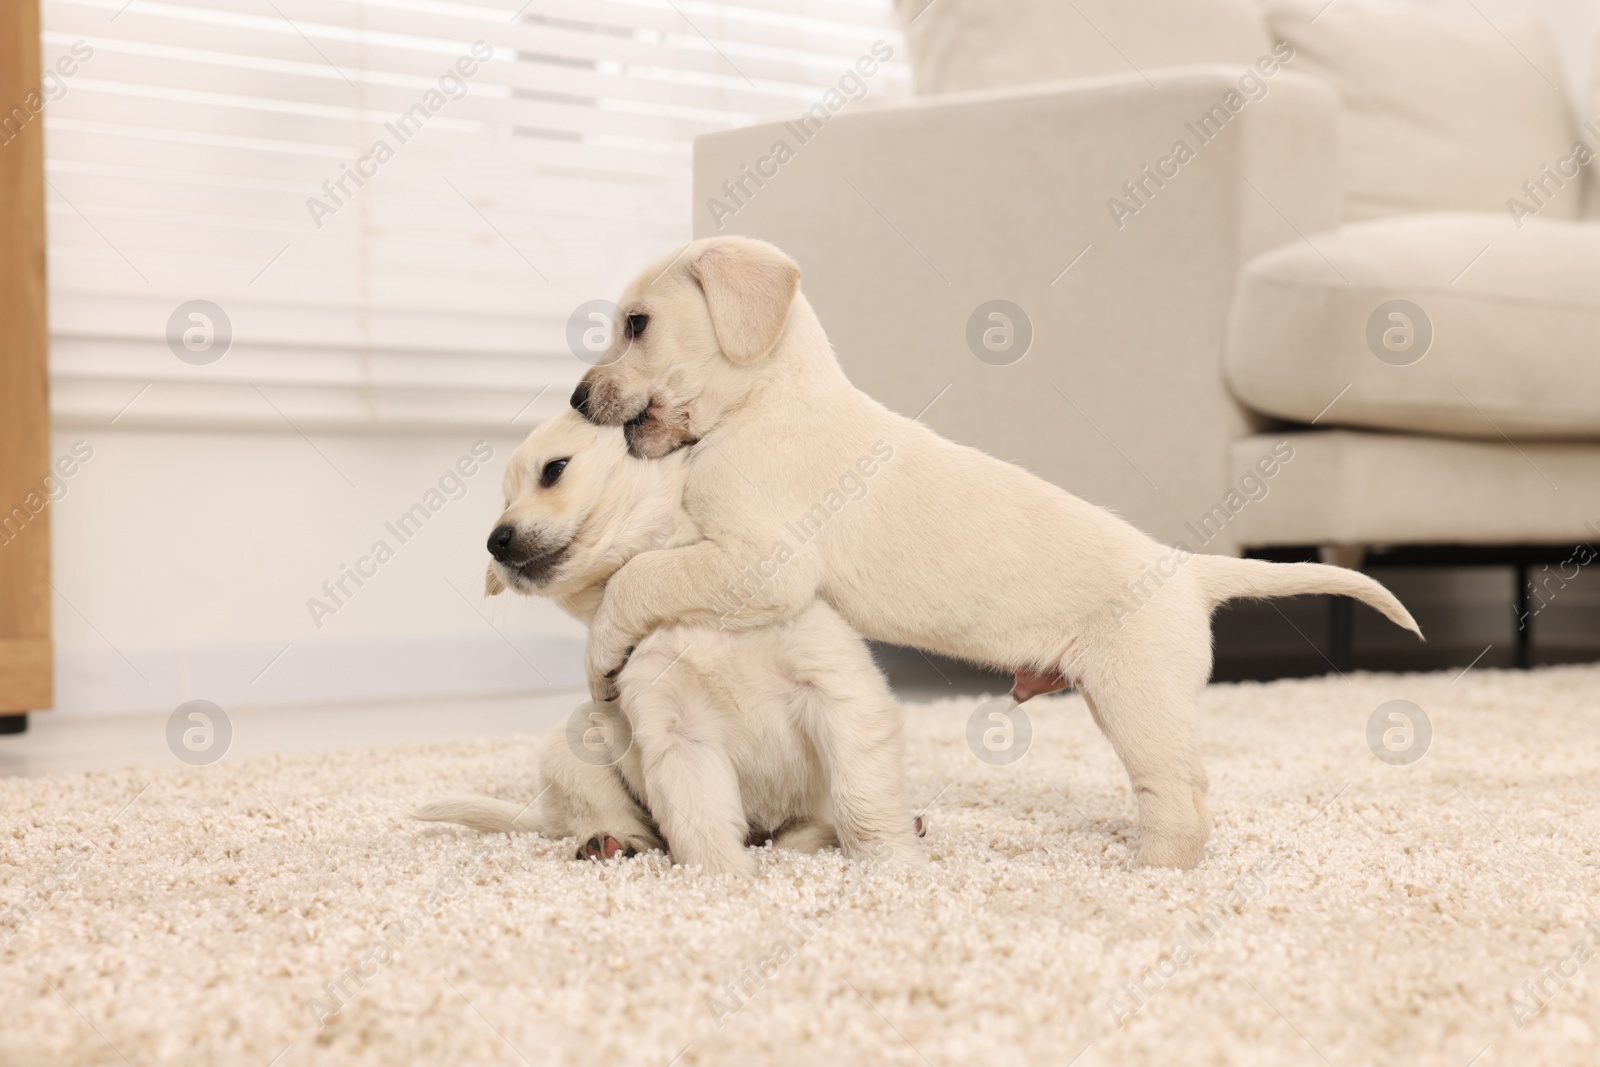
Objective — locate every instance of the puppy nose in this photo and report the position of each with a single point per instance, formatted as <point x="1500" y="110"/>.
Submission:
<point x="580" y="399"/>
<point x="500" y="542"/>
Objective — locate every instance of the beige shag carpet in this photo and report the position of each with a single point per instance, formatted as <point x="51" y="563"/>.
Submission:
<point x="285" y="911"/>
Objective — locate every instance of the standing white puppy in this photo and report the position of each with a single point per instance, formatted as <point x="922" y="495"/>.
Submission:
<point x="944" y="548"/>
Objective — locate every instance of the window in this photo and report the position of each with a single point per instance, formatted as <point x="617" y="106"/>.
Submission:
<point x="389" y="208"/>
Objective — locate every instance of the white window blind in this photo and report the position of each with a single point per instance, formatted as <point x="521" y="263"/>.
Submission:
<point x="210" y="150"/>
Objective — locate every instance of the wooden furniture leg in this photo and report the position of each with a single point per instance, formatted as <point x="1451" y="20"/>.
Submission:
<point x="26" y="662"/>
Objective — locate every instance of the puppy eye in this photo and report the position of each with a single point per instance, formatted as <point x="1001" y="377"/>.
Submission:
<point x="635" y="326"/>
<point x="552" y="472"/>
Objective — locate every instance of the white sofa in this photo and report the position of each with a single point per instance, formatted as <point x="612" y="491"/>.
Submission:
<point x="1239" y="297"/>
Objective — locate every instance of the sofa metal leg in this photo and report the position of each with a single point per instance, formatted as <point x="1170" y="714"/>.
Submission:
<point x="1341" y="616"/>
<point x="1523" y="620"/>
<point x="14" y="724"/>
<point x="1341" y="624"/>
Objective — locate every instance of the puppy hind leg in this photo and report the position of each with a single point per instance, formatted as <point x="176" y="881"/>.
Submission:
<point x="590" y="803"/>
<point x="1151" y="724"/>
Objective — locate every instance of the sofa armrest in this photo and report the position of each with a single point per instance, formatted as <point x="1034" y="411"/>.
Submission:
<point x="1074" y="202"/>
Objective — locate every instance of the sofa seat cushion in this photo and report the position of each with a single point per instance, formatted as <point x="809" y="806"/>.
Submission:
<point x="959" y="45"/>
<point x="1463" y="325"/>
<point x="1363" y="488"/>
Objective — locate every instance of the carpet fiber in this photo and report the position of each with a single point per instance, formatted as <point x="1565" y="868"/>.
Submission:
<point x="1349" y="912"/>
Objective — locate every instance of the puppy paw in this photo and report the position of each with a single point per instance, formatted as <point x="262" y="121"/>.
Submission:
<point x="603" y="846"/>
<point x="907" y="851"/>
<point x="900" y="849"/>
<point x="1169" y="850"/>
<point x="808" y="837"/>
<point x="603" y="661"/>
<point x="743" y="864"/>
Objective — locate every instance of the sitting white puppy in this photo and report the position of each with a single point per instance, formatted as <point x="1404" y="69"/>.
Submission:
<point x="788" y="732"/>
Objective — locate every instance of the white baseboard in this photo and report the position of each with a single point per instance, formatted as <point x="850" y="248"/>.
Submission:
<point x="91" y="681"/>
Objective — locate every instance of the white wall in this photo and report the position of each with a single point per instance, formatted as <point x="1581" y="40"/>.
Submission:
<point x="184" y="559"/>
<point x="189" y="558"/>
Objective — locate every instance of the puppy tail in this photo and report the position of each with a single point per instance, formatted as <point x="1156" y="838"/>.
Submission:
<point x="483" y="813"/>
<point x="1226" y="577"/>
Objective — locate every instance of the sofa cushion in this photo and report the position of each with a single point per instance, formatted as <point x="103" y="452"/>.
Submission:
<point x="984" y="44"/>
<point x="1361" y="488"/>
<point x="1437" y="115"/>
<point x="1454" y="324"/>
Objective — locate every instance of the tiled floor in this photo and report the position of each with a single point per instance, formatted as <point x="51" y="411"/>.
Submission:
<point x="59" y="744"/>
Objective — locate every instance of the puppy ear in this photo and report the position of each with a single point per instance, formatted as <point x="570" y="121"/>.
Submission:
<point x="492" y="583"/>
<point x="749" y="286"/>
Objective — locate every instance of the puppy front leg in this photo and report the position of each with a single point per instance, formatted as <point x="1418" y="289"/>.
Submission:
<point x="732" y="587"/>
<point x="858" y="738"/>
<point x="690" y="783"/>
